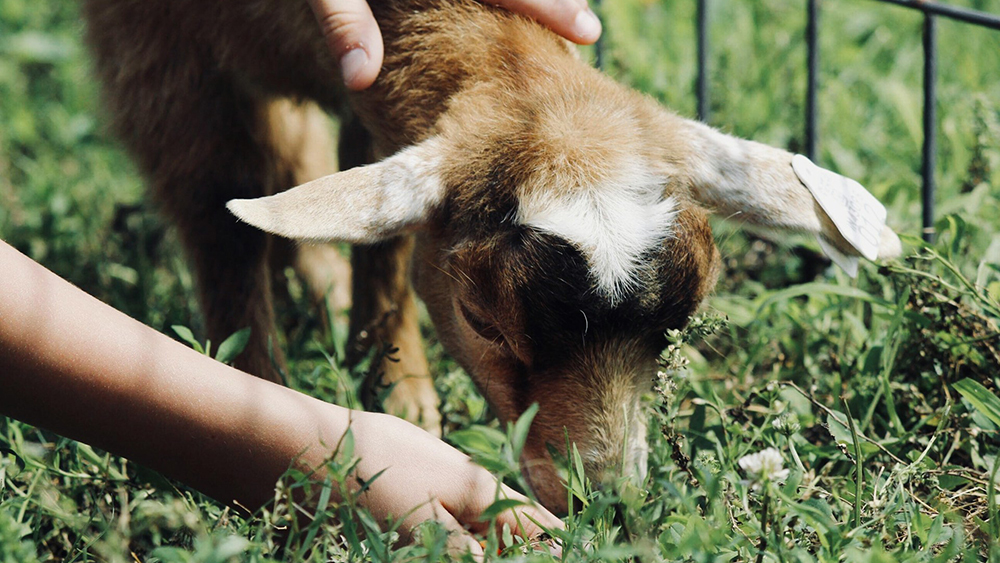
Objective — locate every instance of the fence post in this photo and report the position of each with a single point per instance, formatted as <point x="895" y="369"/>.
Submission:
<point x="812" y="80"/>
<point x="599" y="45"/>
<point x="930" y="124"/>
<point x="702" y="85"/>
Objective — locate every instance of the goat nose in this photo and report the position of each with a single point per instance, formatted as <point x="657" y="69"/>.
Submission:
<point x="603" y="474"/>
<point x="606" y="477"/>
<point x="609" y="471"/>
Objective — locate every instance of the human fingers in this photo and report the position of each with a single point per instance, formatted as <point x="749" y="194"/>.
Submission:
<point x="530" y="521"/>
<point x="434" y="470"/>
<point x="570" y="18"/>
<point x="459" y="539"/>
<point x="353" y="37"/>
<point x="527" y="520"/>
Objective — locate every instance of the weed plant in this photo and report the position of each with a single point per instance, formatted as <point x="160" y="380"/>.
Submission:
<point x="873" y="400"/>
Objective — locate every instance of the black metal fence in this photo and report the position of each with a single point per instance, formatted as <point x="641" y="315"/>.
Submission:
<point x="931" y="11"/>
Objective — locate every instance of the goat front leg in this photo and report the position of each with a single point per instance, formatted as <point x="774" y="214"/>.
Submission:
<point x="384" y="315"/>
<point x="384" y="312"/>
<point x="231" y="262"/>
<point x="209" y="145"/>
<point x="303" y="141"/>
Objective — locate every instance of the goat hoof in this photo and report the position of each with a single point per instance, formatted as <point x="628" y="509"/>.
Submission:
<point x="414" y="399"/>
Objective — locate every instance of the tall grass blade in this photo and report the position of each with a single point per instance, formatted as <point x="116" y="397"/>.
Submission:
<point x="981" y="398"/>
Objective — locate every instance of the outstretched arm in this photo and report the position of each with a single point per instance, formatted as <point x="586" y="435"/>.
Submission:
<point x="73" y="365"/>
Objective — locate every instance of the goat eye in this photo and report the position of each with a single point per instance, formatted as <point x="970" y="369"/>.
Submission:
<point x="483" y="328"/>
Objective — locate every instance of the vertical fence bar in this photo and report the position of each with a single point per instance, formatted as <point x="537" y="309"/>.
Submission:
<point x="930" y="124"/>
<point x="812" y="80"/>
<point x="599" y="46"/>
<point x="702" y="85"/>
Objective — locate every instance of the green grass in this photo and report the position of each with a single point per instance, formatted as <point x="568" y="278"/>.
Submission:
<point x="879" y="392"/>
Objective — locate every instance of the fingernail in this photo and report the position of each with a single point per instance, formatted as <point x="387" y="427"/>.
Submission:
<point x="352" y="64"/>
<point x="587" y="26"/>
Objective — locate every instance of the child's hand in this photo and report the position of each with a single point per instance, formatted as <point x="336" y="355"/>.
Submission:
<point x="356" y="42"/>
<point x="426" y="479"/>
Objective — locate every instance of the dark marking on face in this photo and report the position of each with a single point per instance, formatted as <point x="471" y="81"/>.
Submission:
<point x="560" y="311"/>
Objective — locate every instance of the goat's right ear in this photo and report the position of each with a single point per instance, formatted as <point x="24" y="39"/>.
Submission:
<point x="361" y="205"/>
<point x="758" y="184"/>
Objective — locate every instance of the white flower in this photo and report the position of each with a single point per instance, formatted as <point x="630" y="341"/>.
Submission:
<point x="786" y="423"/>
<point x="764" y="466"/>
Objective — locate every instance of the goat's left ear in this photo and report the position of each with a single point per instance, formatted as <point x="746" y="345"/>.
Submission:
<point x="767" y="187"/>
<point x="361" y="205"/>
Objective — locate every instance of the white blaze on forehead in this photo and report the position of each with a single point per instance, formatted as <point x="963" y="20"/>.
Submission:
<point x="613" y="223"/>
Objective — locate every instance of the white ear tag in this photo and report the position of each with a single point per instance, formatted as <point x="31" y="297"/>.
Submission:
<point x="856" y="213"/>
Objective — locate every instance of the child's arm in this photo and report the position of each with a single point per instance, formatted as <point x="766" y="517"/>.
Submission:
<point x="73" y="365"/>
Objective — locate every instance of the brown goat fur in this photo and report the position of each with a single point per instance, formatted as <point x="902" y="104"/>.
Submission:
<point x="553" y="217"/>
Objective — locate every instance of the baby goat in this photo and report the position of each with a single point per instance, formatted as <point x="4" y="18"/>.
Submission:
<point x="553" y="221"/>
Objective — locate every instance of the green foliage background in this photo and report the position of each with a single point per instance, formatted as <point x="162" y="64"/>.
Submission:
<point x="804" y="348"/>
